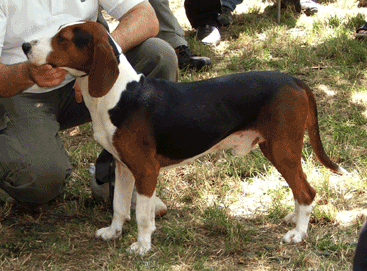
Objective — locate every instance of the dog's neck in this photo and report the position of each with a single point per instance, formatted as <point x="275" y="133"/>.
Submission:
<point x="127" y="74"/>
<point x="116" y="48"/>
<point x="126" y="70"/>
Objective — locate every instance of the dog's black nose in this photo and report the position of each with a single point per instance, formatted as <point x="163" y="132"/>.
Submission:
<point x="26" y="47"/>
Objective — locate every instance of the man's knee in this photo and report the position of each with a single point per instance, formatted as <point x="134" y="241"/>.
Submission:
<point x="36" y="183"/>
<point x="155" y="58"/>
<point x="167" y="61"/>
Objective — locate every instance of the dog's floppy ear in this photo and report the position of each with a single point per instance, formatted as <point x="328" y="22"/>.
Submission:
<point x="104" y="70"/>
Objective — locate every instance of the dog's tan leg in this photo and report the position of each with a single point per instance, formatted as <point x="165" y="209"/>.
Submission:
<point x="287" y="160"/>
<point x="303" y="196"/>
<point x="293" y="217"/>
<point x="124" y="184"/>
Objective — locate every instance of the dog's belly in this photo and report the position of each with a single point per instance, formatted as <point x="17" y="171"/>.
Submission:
<point x="241" y="143"/>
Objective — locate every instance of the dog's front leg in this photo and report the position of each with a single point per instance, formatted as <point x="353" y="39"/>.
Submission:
<point x="124" y="184"/>
<point x="145" y="216"/>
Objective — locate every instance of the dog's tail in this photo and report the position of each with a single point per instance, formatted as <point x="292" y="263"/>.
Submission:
<point x="314" y="132"/>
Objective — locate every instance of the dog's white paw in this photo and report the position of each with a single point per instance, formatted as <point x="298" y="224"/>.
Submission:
<point x="294" y="236"/>
<point x="108" y="233"/>
<point x="291" y="218"/>
<point x="139" y="248"/>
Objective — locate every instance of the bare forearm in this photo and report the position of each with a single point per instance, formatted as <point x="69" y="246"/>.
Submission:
<point x="14" y="79"/>
<point x="139" y="24"/>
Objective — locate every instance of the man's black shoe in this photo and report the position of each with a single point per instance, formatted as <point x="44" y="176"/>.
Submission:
<point x="188" y="60"/>
<point x="226" y="17"/>
<point x="309" y="7"/>
<point x="295" y="3"/>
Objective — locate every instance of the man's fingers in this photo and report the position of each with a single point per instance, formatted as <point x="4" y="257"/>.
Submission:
<point x="46" y="76"/>
<point x="62" y="72"/>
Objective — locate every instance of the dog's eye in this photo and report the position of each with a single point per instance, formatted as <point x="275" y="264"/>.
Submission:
<point x="60" y="38"/>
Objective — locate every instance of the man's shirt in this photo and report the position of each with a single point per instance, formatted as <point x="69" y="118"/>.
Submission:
<point x="25" y="20"/>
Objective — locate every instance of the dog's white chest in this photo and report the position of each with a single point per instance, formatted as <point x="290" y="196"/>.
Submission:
<point x="103" y="129"/>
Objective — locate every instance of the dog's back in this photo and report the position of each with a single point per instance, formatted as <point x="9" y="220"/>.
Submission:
<point x="189" y="118"/>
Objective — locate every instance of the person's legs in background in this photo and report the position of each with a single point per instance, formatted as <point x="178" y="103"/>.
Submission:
<point x="203" y="16"/>
<point x="228" y="6"/>
<point x="171" y="32"/>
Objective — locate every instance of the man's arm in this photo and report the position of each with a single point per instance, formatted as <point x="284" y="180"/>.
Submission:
<point x="16" y="78"/>
<point x="137" y="25"/>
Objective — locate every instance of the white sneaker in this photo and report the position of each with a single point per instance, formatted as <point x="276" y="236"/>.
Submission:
<point x="208" y="34"/>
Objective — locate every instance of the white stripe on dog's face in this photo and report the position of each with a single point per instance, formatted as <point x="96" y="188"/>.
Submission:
<point x="69" y="24"/>
<point x="39" y="51"/>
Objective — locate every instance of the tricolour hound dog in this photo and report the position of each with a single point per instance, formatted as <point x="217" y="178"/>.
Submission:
<point x="150" y="124"/>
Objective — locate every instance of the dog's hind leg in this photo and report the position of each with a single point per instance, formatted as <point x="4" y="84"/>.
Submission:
<point x="287" y="160"/>
<point x="124" y="184"/>
<point x="297" y="234"/>
<point x="292" y="217"/>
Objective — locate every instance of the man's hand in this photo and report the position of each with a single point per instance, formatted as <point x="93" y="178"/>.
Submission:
<point x="45" y="75"/>
<point x="16" y="78"/>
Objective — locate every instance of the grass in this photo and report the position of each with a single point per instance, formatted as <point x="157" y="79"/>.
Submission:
<point x="225" y="212"/>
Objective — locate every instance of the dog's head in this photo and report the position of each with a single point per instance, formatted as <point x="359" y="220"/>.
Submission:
<point x="81" y="48"/>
